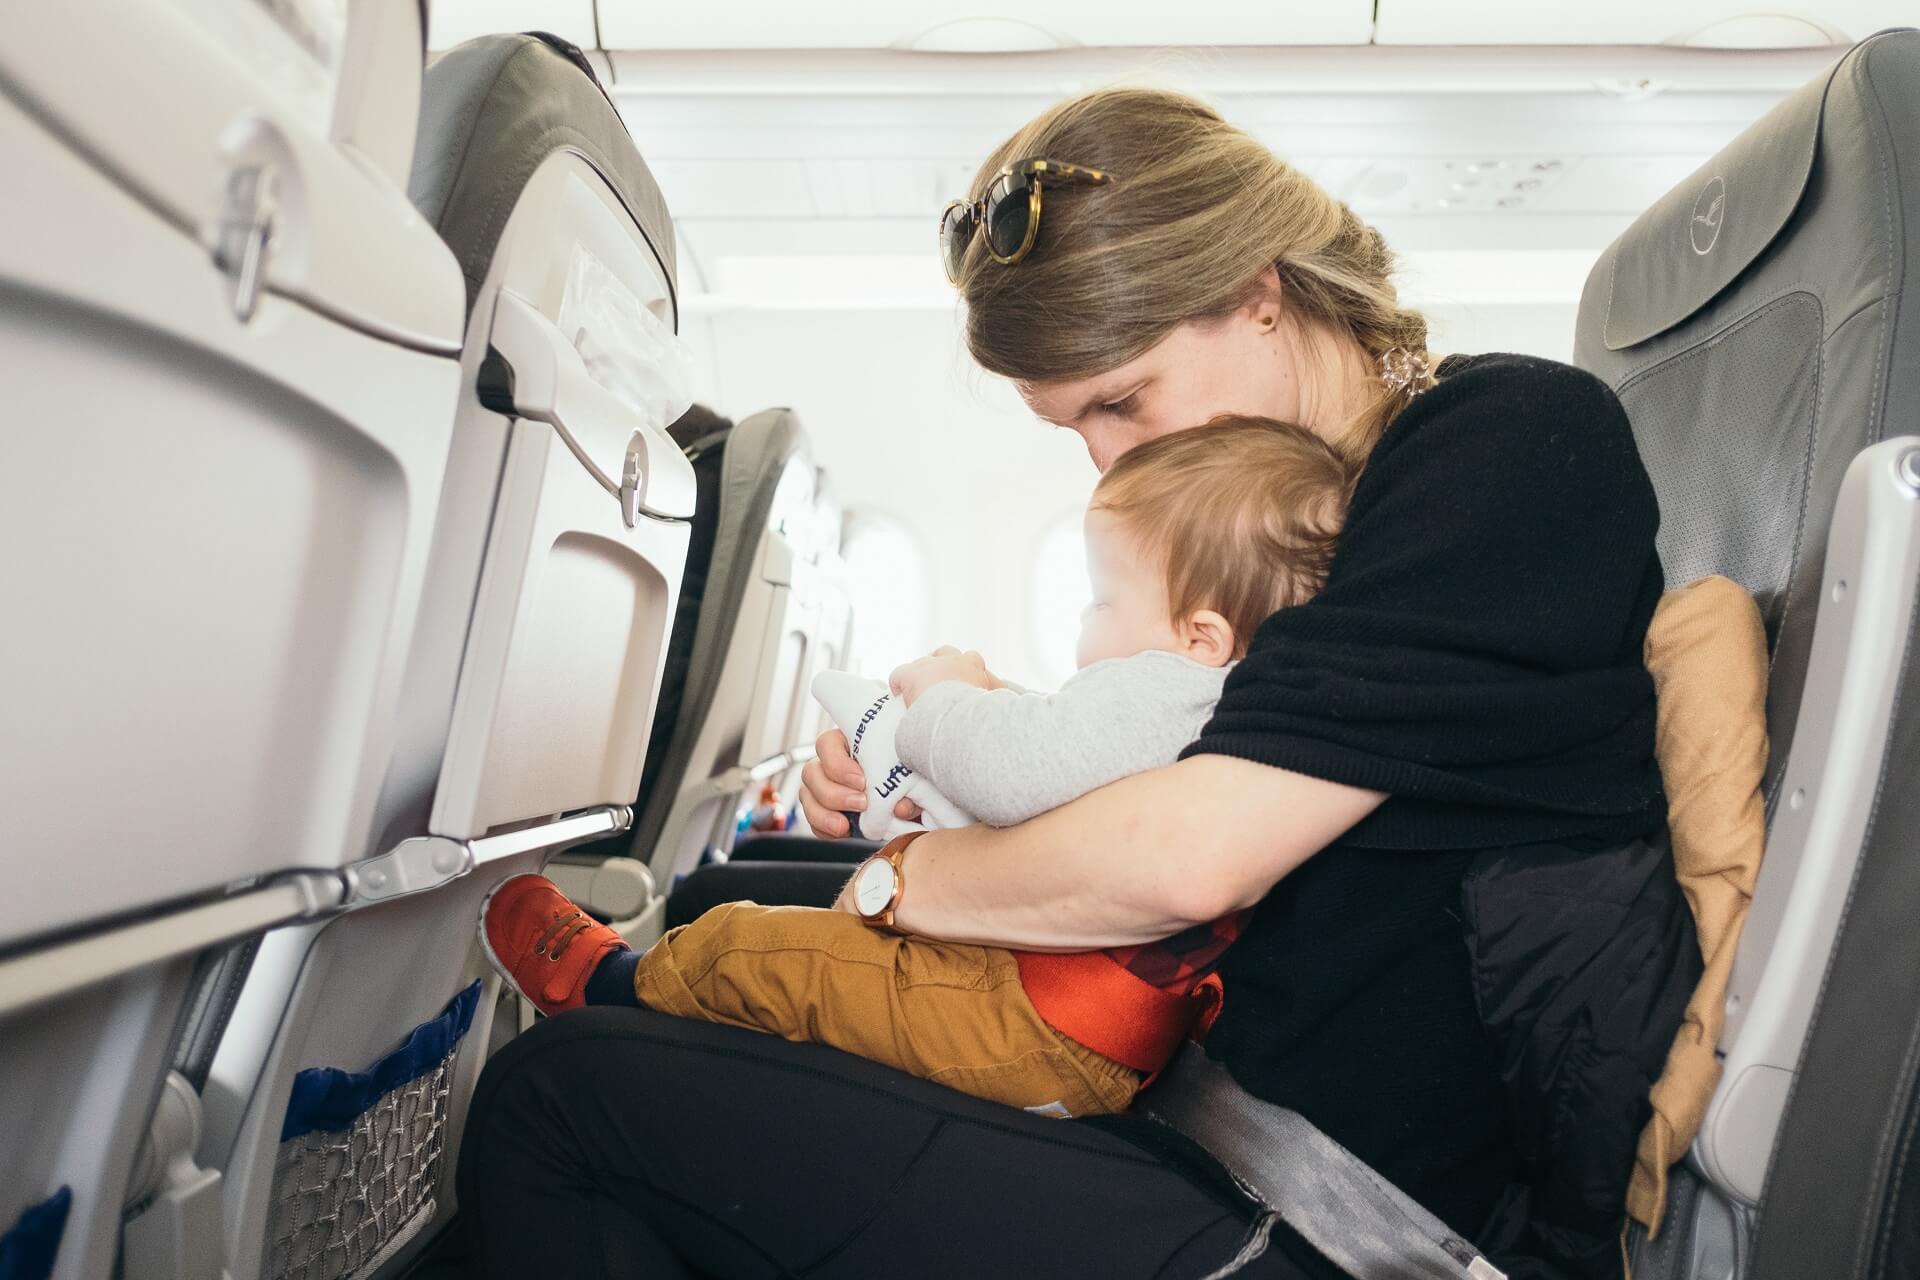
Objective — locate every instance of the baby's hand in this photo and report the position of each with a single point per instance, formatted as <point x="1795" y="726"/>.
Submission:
<point x="946" y="663"/>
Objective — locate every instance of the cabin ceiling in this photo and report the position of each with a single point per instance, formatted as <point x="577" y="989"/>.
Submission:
<point x="807" y="150"/>
<point x="964" y="26"/>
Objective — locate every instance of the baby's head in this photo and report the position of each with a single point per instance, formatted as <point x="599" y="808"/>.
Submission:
<point x="1195" y="538"/>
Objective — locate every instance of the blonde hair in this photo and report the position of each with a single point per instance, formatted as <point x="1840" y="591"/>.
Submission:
<point x="1197" y="213"/>
<point x="1242" y="515"/>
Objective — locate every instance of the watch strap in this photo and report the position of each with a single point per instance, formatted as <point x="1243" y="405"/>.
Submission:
<point x="893" y="851"/>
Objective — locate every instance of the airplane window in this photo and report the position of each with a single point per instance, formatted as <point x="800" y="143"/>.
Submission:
<point x="786" y="681"/>
<point x="1060" y="595"/>
<point x="887" y="573"/>
<point x="829" y="523"/>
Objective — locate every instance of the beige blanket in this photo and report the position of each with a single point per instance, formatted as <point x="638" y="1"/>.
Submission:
<point x="1707" y="652"/>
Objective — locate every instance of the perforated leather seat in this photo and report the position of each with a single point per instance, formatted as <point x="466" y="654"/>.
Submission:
<point x="1759" y="327"/>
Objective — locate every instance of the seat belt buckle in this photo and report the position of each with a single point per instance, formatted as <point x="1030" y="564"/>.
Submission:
<point x="1211" y="995"/>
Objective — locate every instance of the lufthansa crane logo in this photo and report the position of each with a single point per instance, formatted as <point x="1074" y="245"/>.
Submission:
<point x="1709" y="212"/>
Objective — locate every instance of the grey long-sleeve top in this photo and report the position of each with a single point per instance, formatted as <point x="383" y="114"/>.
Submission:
<point x="1007" y="755"/>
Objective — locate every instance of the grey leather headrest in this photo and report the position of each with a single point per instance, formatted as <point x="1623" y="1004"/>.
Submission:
<point x="491" y="110"/>
<point x="1679" y="255"/>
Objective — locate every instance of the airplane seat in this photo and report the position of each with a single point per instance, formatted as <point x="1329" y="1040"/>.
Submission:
<point x="232" y="354"/>
<point x="1757" y="327"/>
<point x="598" y="872"/>
<point x="771" y="607"/>
<point x="336" y="1100"/>
<point x="701" y="434"/>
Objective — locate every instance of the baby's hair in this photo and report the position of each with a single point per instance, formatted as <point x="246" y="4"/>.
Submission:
<point x="1242" y="514"/>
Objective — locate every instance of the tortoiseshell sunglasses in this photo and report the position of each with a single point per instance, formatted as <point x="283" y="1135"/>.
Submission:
<point x="1009" y="211"/>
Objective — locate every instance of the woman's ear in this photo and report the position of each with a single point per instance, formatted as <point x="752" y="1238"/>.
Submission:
<point x="1209" y="638"/>
<point x="1262" y="306"/>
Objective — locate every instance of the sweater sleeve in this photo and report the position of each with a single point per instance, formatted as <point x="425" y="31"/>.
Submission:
<point x="1476" y="651"/>
<point x="1007" y="755"/>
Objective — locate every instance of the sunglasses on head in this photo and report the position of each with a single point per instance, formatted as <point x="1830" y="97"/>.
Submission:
<point x="1008" y="212"/>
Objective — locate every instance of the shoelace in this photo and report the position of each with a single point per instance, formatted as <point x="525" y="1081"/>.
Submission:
<point x="566" y="926"/>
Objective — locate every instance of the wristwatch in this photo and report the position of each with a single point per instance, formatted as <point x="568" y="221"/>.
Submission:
<point x="879" y="882"/>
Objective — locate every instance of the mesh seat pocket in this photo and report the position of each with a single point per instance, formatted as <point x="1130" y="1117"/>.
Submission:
<point x="359" y="1158"/>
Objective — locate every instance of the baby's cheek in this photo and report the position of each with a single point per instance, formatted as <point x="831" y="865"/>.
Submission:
<point x="1095" y="641"/>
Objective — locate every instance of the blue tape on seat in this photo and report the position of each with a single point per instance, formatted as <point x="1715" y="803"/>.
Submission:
<point x="27" y="1250"/>
<point x="326" y="1099"/>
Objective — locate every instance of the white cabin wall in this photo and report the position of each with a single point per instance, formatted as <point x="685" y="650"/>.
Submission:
<point x="907" y="425"/>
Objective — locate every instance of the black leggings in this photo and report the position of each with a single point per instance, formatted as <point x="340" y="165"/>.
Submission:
<point x="626" y="1143"/>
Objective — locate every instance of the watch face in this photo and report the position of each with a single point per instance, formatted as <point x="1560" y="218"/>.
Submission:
<point x="873" y="886"/>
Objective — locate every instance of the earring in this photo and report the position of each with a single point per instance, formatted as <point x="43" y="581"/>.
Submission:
<point x="1404" y="370"/>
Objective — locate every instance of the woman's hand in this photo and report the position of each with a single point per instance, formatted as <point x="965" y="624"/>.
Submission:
<point x="908" y="682"/>
<point x="832" y="785"/>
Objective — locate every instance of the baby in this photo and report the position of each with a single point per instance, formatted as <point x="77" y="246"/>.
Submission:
<point x="1193" y="540"/>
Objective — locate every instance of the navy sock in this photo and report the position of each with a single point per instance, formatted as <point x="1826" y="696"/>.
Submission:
<point x="612" y="979"/>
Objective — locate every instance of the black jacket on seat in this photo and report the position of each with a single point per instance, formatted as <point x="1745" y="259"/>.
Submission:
<point x="1583" y="963"/>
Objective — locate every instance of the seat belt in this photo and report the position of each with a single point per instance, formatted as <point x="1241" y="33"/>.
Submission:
<point x="1364" y="1224"/>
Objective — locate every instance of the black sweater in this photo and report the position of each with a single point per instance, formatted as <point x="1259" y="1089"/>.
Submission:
<point x="1476" y="654"/>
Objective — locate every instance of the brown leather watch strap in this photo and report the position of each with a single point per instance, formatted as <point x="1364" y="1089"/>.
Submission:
<point x="893" y="851"/>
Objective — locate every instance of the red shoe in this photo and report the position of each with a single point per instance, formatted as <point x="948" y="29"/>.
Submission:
<point x="542" y="943"/>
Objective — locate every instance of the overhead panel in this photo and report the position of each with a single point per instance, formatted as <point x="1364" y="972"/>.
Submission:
<point x="453" y="21"/>
<point x="962" y="26"/>
<point x="757" y="188"/>
<point x="1726" y="24"/>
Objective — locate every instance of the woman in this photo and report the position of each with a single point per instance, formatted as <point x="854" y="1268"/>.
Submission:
<point x="1466" y="699"/>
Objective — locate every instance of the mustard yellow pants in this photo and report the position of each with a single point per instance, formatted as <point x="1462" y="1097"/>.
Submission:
<point x="953" y="1014"/>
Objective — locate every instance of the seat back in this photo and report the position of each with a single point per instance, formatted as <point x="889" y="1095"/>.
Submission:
<point x="531" y="684"/>
<point x="1757" y="326"/>
<point x="231" y="352"/>
<point x="701" y="434"/>
<point x="766" y="596"/>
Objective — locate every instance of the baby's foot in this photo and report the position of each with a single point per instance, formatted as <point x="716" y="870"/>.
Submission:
<point x="542" y="943"/>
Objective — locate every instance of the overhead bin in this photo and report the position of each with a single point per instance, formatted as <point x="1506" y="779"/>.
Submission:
<point x="960" y="26"/>
<point x="1723" y="24"/>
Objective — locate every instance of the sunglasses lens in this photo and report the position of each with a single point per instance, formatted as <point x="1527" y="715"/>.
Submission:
<point x="956" y="229"/>
<point x="1009" y="214"/>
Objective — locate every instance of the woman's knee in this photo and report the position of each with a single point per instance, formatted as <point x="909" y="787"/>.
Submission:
<point x="531" y="1089"/>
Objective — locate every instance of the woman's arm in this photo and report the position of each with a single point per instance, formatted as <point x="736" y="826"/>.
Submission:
<point x="1131" y="863"/>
